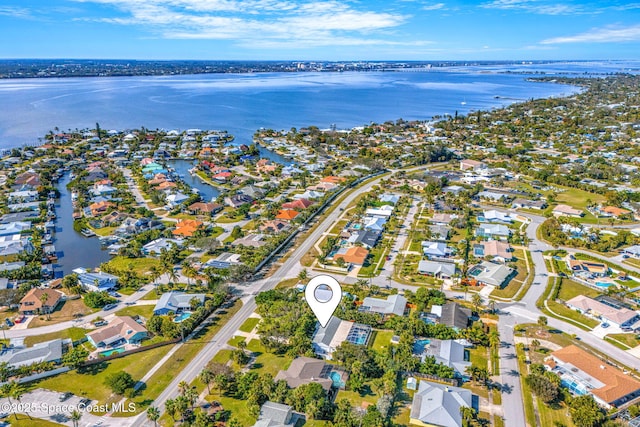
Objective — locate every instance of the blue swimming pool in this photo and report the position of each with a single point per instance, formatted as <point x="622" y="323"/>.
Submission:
<point x="603" y="284"/>
<point x="336" y="379"/>
<point x="111" y="352"/>
<point x="420" y="345"/>
<point x="182" y="317"/>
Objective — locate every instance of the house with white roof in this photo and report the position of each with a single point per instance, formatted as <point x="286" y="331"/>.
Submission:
<point x="394" y="304"/>
<point x="496" y="216"/>
<point x="383" y="211"/>
<point x="435" y="249"/>
<point x="498" y="231"/>
<point x="439" y="405"/>
<point x="96" y="282"/>
<point x="176" y="302"/>
<point x="441" y="270"/>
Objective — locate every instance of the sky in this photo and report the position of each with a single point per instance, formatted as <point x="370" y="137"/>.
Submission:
<point x="320" y="30"/>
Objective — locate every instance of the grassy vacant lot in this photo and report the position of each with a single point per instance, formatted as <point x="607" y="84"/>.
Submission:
<point x="90" y="383"/>
<point x="145" y="311"/>
<point x="563" y="310"/>
<point x="631" y="340"/>
<point x="249" y="324"/>
<point x="64" y="312"/>
<point x="181" y="358"/>
<point x="140" y="266"/>
<point x="73" y="333"/>
<point x="570" y="289"/>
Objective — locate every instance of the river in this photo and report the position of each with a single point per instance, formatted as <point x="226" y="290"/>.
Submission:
<point x="73" y="249"/>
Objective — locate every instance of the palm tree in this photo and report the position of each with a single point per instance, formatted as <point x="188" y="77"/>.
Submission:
<point x="206" y="376"/>
<point x="75" y="417"/>
<point x="492" y="305"/>
<point x="153" y="414"/>
<point x="170" y="407"/>
<point x="303" y="274"/>
<point x="476" y="299"/>
<point x="183" y="386"/>
<point x="43" y="299"/>
<point x="534" y="345"/>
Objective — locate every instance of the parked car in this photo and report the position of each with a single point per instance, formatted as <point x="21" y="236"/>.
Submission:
<point x="8" y="322"/>
<point x="109" y="306"/>
<point x="605" y="325"/>
<point x="64" y="396"/>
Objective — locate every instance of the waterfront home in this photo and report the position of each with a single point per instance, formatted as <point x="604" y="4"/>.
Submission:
<point x="498" y="231"/>
<point x="155" y="247"/>
<point x="187" y="227"/>
<point x="496" y="249"/>
<point x="287" y="215"/>
<point x="15" y="227"/>
<point x="22" y="196"/>
<point x="177" y="302"/>
<point x="611" y="313"/>
<point x="565" y="210"/>
<point x="326" y="340"/>
<point x="450" y="353"/>
<point x="35" y="301"/>
<point x="120" y="330"/>
<point x="273" y="226"/>
<point x="44" y="352"/>
<point x="583" y="373"/>
<point x="440" y="405"/>
<point x="276" y="415"/>
<point x="200" y="208"/>
<point x="238" y="200"/>
<point x="392" y="305"/>
<point x="354" y="255"/>
<point x="96" y="282"/>
<point x="11" y="248"/>
<point x="176" y="199"/>
<point x="492" y="274"/>
<point x="306" y="370"/>
<point x="99" y="208"/>
<point x="440" y="270"/>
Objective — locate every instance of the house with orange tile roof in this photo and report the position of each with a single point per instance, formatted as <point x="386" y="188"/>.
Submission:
<point x="166" y="184"/>
<point x="614" y="211"/>
<point x="187" y="227"/>
<point x="100" y="207"/>
<point x="333" y="179"/>
<point x="588" y="374"/>
<point x="201" y="208"/>
<point x="297" y="204"/>
<point x="355" y="255"/>
<point x="287" y="215"/>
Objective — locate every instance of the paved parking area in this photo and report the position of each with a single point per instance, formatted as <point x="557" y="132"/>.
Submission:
<point x="46" y="404"/>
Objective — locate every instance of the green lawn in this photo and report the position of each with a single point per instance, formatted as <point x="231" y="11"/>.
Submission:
<point x="141" y="266"/>
<point x="91" y="383"/>
<point x="570" y="289"/>
<point x="24" y="421"/>
<point x="145" y="311"/>
<point x="517" y="282"/>
<point x="577" y="198"/>
<point x="249" y="324"/>
<point x="235" y="341"/>
<point x="73" y="333"/>
<point x="382" y="340"/>
<point x="630" y="340"/>
<point x="181" y="358"/>
<point x="565" y="311"/>
<point x="223" y="356"/>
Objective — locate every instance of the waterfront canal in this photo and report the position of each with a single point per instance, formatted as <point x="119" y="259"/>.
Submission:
<point x="73" y="249"/>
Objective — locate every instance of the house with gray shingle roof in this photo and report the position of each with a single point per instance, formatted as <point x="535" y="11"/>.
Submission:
<point x="49" y="351"/>
<point x="276" y="415"/>
<point x="439" y="405"/>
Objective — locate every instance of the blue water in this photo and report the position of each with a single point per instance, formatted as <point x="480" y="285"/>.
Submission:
<point x="110" y="352"/>
<point x="242" y="103"/>
<point x="73" y="249"/>
<point x="182" y="317"/>
<point x="420" y="345"/>
<point x="337" y="379"/>
<point x="208" y="192"/>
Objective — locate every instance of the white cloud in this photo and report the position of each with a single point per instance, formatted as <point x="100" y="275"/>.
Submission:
<point x="600" y="35"/>
<point x="435" y="6"/>
<point x="311" y="23"/>
<point x="15" y="12"/>
<point x="533" y="6"/>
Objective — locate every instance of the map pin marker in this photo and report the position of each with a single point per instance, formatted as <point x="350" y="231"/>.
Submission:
<point x="323" y="294"/>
